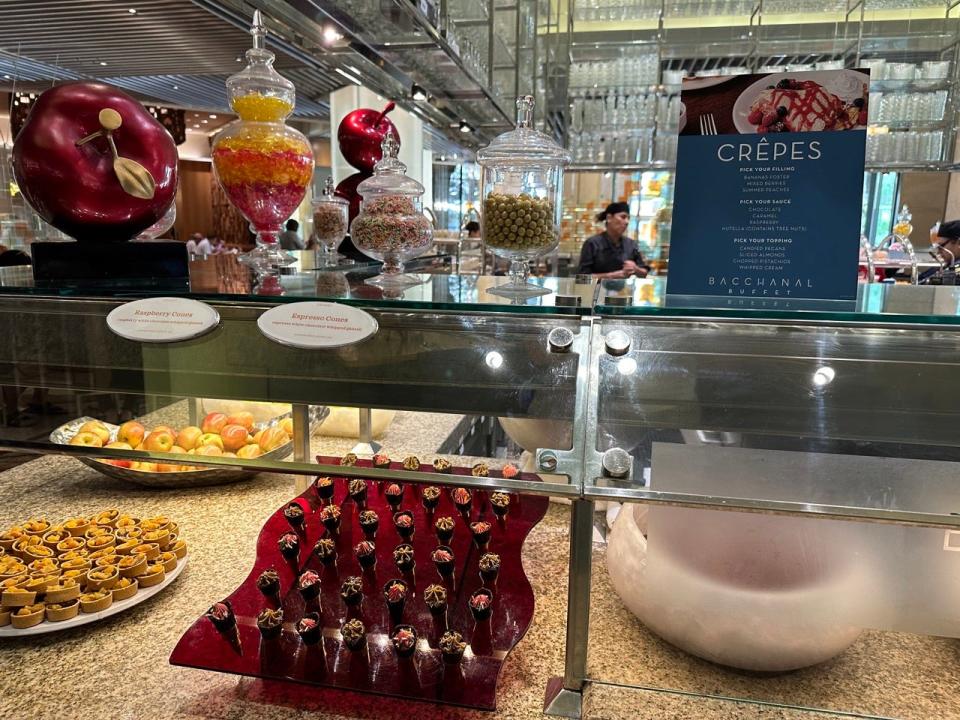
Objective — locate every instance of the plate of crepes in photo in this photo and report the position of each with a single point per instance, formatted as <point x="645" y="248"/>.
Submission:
<point x="804" y="102"/>
<point x="55" y="576"/>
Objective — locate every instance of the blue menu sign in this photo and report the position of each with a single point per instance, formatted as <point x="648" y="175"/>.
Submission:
<point x="769" y="190"/>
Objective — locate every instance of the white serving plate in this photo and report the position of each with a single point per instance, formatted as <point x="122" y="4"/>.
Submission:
<point x="85" y="618"/>
<point x="741" y="108"/>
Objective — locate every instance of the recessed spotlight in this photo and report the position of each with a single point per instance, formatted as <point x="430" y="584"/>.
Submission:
<point x="465" y="127"/>
<point x="6" y="77"/>
<point x="176" y="87"/>
<point x="204" y="121"/>
<point x="418" y="93"/>
<point x="238" y="59"/>
<point x="132" y="11"/>
<point x="212" y="116"/>
<point x="197" y="127"/>
<point x="103" y="62"/>
<point x="331" y="35"/>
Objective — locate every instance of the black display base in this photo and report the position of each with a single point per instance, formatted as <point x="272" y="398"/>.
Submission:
<point x="129" y="265"/>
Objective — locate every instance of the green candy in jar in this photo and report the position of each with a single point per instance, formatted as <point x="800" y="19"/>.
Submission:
<point x="518" y="222"/>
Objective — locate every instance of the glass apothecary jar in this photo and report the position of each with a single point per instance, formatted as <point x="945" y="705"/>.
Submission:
<point x="263" y="165"/>
<point x="391" y="226"/>
<point x="521" y="181"/>
<point x="330" y="219"/>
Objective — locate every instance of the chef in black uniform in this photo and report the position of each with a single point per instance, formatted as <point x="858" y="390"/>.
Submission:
<point x="946" y="249"/>
<point x="611" y="254"/>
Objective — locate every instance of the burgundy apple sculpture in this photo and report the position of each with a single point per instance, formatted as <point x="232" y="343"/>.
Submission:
<point x="347" y="189"/>
<point x="94" y="163"/>
<point x="360" y="134"/>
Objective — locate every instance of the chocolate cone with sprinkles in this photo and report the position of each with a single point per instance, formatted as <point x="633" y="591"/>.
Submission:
<point x="404" y="639"/>
<point x="325" y="551"/>
<point x="444" y="526"/>
<point x="289" y="545"/>
<point x="369" y="522"/>
<point x="481" y="604"/>
<point x="293" y="512"/>
<point x="500" y="502"/>
<point x="394" y="493"/>
<point x="324" y="487"/>
<point x="481" y="533"/>
<point x="268" y="583"/>
<point x="357" y="490"/>
<point x="351" y="591"/>
<point x="452" y="647"/>
<point x="330" y="517"/>
<point x="403" y="522"/>
<point x="366" y="553"/>
<point x="309" y="628"/>
<point x="443" y="560"/>
<point x="489" y="568"/>
<point x="430" y="497"/>
<point x="463" y="500"/>
<point x="395" y="593"/>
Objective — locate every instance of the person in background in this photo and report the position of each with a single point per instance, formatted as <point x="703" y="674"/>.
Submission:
<point x="217" y="245"/>
<point x="290" y="239"/>
<point x="192" y="243"/>
<point x="945" y="240"/>
<point x="473" y="229"/>
<point x="611" y="254"/>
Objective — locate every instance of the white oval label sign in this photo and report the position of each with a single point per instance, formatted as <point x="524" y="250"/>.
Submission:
<point x="162" y="319"/>
<point x="314" y="325"/>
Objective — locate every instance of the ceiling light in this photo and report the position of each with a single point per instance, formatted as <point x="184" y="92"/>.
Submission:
<point x="204" y="121"/>
<point x="348" y="76"/>
<point x="132" y="11"/>
<point x="331" y="35"/>
<point x="823" y="376"/>
<point x="103" y="62"/>
<point x="176" y="87"/>
<point x="6" y="77"/>
<point x="418" y="93"/>
<point x="197" y="127"/>
<point x="238" y="59"/>
<point x="212" y="116"/>
<point x="494" y="360"/>
<point x="465" y="127"/>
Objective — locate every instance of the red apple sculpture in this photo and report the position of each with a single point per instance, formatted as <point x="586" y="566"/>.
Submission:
<point x="94" y="163"/>
<point x="360" y="134"/>
<point x="347" y="189"/>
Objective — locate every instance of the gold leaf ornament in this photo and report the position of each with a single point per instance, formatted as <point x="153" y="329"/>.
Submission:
<point x="134" y="178"/>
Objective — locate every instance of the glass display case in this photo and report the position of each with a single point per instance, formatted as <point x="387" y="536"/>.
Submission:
<point x="773" y="490"/>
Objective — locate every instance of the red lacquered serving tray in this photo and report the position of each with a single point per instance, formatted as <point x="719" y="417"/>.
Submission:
<point x="471" y="683"/>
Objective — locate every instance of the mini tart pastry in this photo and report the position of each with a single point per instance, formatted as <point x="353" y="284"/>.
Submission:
<point x="127" y="533"/>
<point x="27" y="616"/>
<point x="24" y="542"/>
<point x="108" y="560"/>
<point x="442" y="465"/>
<point x="124" y="589"/>
<point x="153" y="575"/>
<point x="78" y="574"/>
<point x="102" y="553"/>
<point x="64" y="610"/>
<point x="270" y="622"/>
<point x="128" y="546"/>
<point x="63" y="591"/>
<point x="38" y="550"/>
<point x="168" y="560"/>
<point x="125" y="521"/>
<point x="36" y="526"/>
<point x="11" y="536"/>
<point x="151" y="550"/>
<point x="102" y="578"/>
<point x="160" y="537"/>
<point x="96" y="601"/>
<point x="5" y="613"/>
<point x="68" y="544"/>
<point x="47" y="566"/>
<point x="52" y="538"/>
<point x="17" y="596"/>
<point x="77" y="526"/>
<point x="132" y="565"/>
<point x="97" y="530"/>
<point x="480" y="470"/>
<point x="39" y="582"/>
<point x="350" y="459"/>
<point x="11" y="566"/>
<point x="381" y="461"/>
<point x="81" y="554"/>
<point x="411" y="463"/>
<point x="179" y="548"/>
<point x="101" y="542"/>
<point x="107" y="517"/>
<point x="78" y="563"/>
<point x="159" y="522"/>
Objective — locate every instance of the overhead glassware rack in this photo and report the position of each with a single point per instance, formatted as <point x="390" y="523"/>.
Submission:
<point x="616" y="101"/>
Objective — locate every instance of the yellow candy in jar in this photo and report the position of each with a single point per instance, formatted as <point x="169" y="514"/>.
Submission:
<point x="261" y="108"/>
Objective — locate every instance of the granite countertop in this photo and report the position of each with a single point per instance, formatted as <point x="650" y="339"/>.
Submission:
<point x="118" y="668"/>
